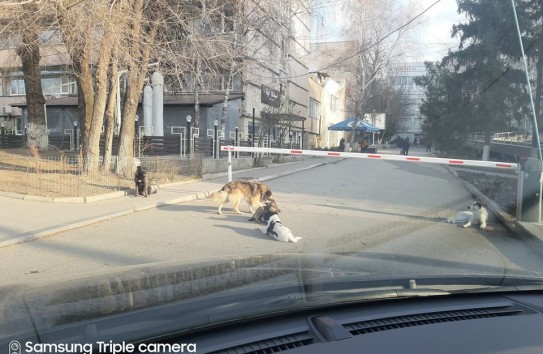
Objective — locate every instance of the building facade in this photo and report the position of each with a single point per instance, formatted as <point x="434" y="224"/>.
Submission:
<point x="403" y="75"/>
<point x="273" y="82"/>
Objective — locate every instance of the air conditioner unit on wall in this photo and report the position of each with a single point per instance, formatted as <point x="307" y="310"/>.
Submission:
<point x="6" y="110"/>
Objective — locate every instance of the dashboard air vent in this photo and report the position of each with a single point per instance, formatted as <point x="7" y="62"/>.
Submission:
<point x="272" y="345"/>
<point x="385" y="324"/>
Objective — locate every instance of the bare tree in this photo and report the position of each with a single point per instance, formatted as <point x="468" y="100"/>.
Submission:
<point x="142" y="30"/>
<point x="28" y="21"/>
<point x="110" y="112"/>
<point x="376" y="28"/>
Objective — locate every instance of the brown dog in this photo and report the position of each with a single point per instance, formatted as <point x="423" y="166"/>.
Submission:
<point x="263" y="213"/>
<point x="254" y="193"/>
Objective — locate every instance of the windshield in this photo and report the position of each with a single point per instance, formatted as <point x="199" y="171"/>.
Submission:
<point x="240" y="158"/>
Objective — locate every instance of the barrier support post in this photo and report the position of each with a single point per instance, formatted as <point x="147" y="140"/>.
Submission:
<point x="229" y="165"/>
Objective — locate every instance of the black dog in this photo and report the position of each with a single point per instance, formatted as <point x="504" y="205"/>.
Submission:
<point x="263" y="213"/>
<point x="143" y="187"/>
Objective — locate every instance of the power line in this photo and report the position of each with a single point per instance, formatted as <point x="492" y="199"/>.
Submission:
<point x="370" y="46"/>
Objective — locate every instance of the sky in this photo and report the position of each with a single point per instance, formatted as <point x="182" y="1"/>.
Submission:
<point x="432" y="37"/>
<point x="435" y="32"/>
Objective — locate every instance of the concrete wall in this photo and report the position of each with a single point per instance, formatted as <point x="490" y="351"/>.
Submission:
<point x="210" y="166"/>
<point x="221" y="165"/>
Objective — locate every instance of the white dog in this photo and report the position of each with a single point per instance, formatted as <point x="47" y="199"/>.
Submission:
<point x="478" y="215"/>
<point x="278" y="231"/>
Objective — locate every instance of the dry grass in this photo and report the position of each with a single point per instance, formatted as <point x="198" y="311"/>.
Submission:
<point x="63" y="176"/>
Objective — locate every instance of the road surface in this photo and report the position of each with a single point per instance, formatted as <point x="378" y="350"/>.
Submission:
<point x="347" y="206"/>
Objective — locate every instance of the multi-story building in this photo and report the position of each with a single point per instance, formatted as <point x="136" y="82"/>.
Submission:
<point x="57" y="80"/>
<point x="335" y="58"/>
<point x="326" y="108"/>
<point x="403" y="75"/>
<point x="273" y="82"/>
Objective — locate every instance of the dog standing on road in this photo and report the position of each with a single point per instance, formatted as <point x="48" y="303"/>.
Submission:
<point x="278" y="231"/>
<point x="143" y="187"/>
<point x="254" y="193"/>
<point x="477" y="215"/>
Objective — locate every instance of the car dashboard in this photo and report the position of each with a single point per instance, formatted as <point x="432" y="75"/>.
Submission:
<point x="499" y="323"/>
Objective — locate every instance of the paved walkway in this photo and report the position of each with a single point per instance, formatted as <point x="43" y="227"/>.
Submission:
<point x="24" y="220"/>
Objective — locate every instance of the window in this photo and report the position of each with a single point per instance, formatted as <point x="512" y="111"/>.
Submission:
<point x="51" y="37"/>
<point x="314" y="108"/>
<point x="8" y="41"/>
<point x="17" y="87"/>
<point x="50" y="85"/>
<point x="58" y="85"/>
<point x="333" y="103"/>
<point x="403" y="81"/>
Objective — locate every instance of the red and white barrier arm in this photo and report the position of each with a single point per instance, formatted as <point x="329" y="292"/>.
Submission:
<point x="358" y="155"/>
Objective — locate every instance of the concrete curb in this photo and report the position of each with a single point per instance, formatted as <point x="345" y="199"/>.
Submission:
<point x="30" y="236"/>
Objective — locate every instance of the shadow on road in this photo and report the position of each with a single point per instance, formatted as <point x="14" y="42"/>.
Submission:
<point x="249" y="232"/>
<point x="526" y="252"/>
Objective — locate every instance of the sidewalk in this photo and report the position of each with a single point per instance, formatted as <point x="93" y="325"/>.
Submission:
<point x="25" y="220"/>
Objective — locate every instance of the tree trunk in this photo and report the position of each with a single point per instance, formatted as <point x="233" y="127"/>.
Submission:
<point x="140" y="51"/>
<point x="196" y="97"/>
<point x="80" y="53"/>
<point x="29" y="52"/>
<point x="225" y="102"/>
<point x="228" y="83"/>
<point x="110" y="114"/>
<point x="92" y="153"/>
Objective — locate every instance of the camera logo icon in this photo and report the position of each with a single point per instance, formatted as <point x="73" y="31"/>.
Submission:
<point x="14" y="347"/>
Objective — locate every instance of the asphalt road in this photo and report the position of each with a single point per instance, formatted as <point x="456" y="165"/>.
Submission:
<point x="349" y="206"/>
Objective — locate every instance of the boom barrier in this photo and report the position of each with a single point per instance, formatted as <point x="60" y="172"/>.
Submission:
<point x="358" y="155"/>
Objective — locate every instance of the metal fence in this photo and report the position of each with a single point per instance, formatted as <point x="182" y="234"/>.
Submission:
<point x="515" y="138"/>
<point x="68" y="176"/>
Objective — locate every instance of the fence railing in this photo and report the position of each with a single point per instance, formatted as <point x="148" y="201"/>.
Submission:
<point x="10" y="141"/>
<point x="168" y="145"/>
<point x="516" y="138"/>
<point x="70" y="177"/>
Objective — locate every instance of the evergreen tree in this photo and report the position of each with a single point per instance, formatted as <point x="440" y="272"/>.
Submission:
<point x="481" y="86"/>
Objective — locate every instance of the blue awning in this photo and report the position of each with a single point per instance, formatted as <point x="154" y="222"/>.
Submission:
<point x="347" y="125"/>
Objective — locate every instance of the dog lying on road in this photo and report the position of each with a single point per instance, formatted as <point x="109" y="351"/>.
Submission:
<point x="143" y="186"/>
<point x="278" y="231"/>
<point x="263" y="213"/>
<point x="254" y="193"/>
<point x="477" y="215"/>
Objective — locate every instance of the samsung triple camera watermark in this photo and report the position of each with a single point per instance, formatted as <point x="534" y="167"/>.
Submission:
<point x="15" y="347"/>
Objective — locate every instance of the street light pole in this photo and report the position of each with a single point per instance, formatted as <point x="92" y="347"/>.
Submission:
<point x="253" y="135"/>
<point x="76" y="146"/>
<point x="189" y="135"/>
<point x="236" y="142"/>
<point x="216" y="142"/>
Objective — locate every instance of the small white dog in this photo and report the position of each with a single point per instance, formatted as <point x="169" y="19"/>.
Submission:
<point x="278" y="231"/>
<point x="477" y="215"/>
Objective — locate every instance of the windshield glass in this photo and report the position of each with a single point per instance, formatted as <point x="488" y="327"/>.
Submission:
<point x="229" y="159"/>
